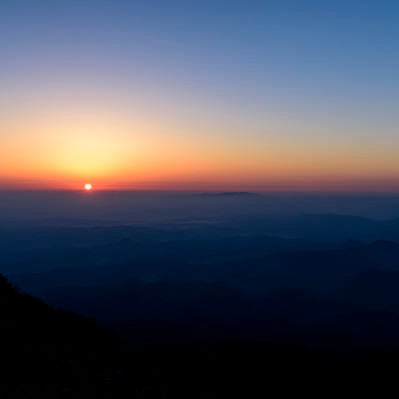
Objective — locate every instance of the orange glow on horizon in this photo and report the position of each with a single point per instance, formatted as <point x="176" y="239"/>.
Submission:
<point x="60" y="154"/>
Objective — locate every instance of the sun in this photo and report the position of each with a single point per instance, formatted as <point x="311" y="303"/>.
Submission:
<point x="88" y="187"/>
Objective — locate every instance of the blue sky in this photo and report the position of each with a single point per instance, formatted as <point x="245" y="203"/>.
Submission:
<point x="304" y="72"/>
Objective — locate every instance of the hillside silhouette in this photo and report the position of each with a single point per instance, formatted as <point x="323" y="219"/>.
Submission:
<point x="53" y="353"/>
<point x="50" y="353"/>
<point x="200" y="308"/>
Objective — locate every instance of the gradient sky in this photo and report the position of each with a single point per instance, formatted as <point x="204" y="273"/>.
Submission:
<point x="207" y="94"/>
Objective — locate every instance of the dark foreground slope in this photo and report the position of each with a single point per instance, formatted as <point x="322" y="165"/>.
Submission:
<point x="47" y="353"/>
<point x="52" y="353"/>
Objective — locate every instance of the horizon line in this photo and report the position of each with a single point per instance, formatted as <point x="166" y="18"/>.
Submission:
<point x="211" y="190"/>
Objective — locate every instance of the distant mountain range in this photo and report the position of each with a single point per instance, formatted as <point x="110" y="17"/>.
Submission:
<point x="229" y="194"/>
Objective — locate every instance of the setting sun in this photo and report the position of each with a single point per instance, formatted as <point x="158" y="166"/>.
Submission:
<point x="88" y="187"/>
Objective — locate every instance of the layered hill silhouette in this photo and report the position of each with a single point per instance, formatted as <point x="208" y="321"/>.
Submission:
<point x="50" y="353"/>
<point x="200" y="309"/>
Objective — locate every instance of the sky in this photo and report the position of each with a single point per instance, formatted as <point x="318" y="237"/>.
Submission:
<point x="212" y="94"/>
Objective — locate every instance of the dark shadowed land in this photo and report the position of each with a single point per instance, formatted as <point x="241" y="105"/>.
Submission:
<point x="51" y="353"/>
<point x="198" y="296"/>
